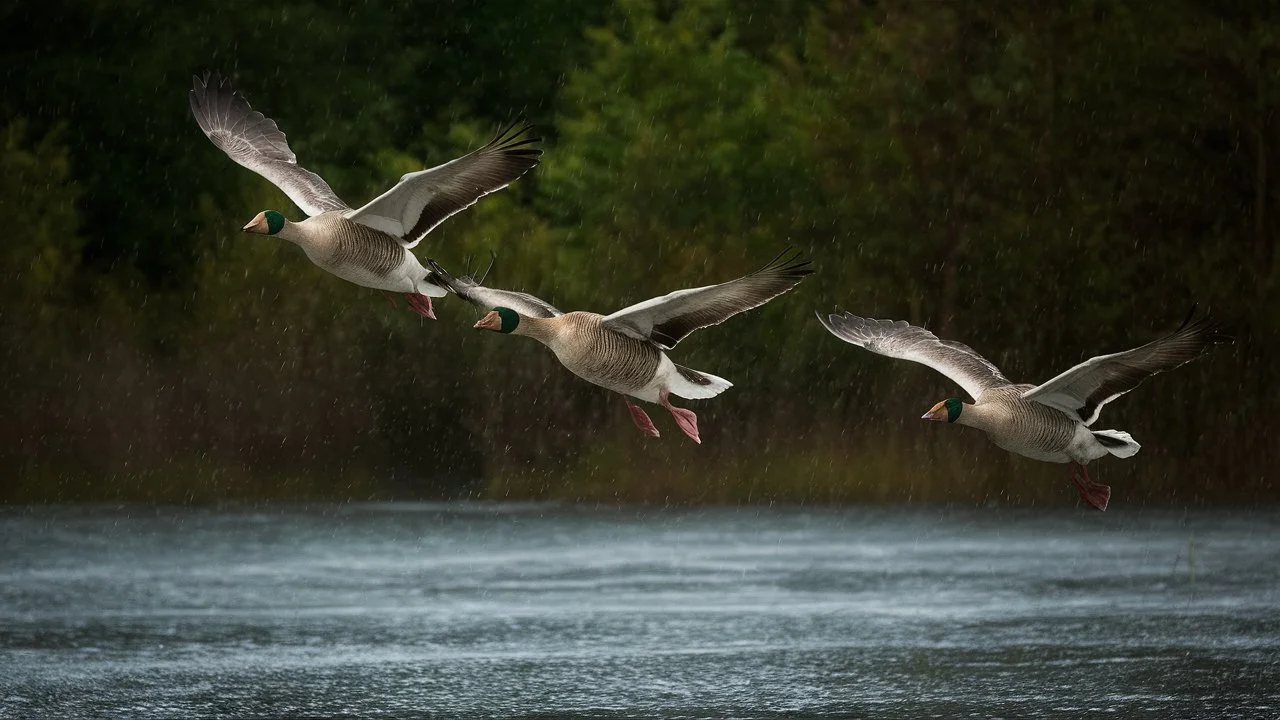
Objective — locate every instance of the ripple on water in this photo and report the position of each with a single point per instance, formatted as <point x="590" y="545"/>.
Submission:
<point x="519" y="609"/>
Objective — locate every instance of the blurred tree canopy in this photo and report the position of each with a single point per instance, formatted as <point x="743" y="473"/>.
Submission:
<point x="1044" y="182"/>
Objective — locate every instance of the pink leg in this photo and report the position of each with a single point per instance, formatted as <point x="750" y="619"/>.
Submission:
<point x="685" y="418"/>
<point x="1094" y="493"/>
<point x="420" y="304"/>
<point x="641" y="419"/>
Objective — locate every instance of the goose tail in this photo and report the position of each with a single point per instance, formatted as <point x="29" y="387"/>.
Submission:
<point x="694" y="385"/>
<point x="1117" y="442"/>
<point x="430" y="286"/>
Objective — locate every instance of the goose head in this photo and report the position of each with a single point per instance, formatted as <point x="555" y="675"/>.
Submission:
<point x="948" y="410"/>
<point x="267" y="222"/>
<point x="500" y="319"/>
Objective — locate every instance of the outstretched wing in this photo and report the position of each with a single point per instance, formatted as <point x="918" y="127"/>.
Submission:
<point x="424" y="199"/>
<point x="898" y="339"/>
<point x="485" y="298"/>
<point x="666" y="320"/>
<point x="255" y="141"/>
<point x="1085" y="388"/>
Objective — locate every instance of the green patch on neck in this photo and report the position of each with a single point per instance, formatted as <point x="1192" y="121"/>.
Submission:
<point x="510" y="319"/>
<point x="275" y="222"/>
<point x="954" y="406"/>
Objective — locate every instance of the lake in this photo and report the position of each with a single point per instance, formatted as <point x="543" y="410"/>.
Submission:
<point x="406" y="610"/>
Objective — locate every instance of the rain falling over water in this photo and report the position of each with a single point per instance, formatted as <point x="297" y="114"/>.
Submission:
<point x="366" y="610"/>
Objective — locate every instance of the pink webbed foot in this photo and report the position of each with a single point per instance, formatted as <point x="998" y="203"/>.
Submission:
<point x="1094" y="493"/>
<point x="685" y="418"/>
<point x="420" y="304"/>
<point x="641" y="419"/>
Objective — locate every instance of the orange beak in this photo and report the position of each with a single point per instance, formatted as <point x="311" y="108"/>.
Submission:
<point x="937" y="412"/>
<point x="492" y="321"/>
<point x="257" y="225"/>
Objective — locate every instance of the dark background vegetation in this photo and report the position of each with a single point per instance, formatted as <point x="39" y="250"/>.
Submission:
<point x="1043" y="181"/>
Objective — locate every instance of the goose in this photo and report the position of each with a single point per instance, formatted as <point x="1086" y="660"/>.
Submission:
<point x="371" y="245"/>
<point x="626" y="352"/>
<point x="1050" y="421"/>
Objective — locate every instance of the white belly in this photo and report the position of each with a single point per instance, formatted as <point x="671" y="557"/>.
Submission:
<point x="1084" y="446"/>
<point x="661" y="379"/>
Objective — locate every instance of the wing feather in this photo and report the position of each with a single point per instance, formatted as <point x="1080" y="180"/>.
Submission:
<point x="254" y="141"/>
<point x="898" y="339"/>
<point x="667" y="320"/>
<point x="1085" y="388"/>
<point x="424" y="199"/>
<point x="486" y="298"/>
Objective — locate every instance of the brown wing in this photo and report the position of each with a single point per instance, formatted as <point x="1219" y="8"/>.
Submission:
<point x="1085" y="388"/>
<point x="424" y="199"/>
<point x="666" y="320"/>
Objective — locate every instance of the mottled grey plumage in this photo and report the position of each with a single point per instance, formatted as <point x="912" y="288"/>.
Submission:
<point x="413" y="207"/>
<point x="342" y="244"/>
<point x="625" y="352"/>
<point x="1047" y="422"/>
<point x="1020" y="426"/>
<point x="605" y="357"/>
<point x="370" y="245"/>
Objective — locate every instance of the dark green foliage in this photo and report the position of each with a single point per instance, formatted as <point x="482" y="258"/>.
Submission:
<point x="1044" y="182"/>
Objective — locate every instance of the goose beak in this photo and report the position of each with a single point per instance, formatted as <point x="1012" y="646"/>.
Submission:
<point x="257" y="225"/>
<point x="492" y="321"/>
<point x="937" y="412"/>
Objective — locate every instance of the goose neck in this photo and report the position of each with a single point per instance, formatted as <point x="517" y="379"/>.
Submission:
<point x="544" y="330"/>
<point x="976" y="416"/>
<point x="294" y="233"/>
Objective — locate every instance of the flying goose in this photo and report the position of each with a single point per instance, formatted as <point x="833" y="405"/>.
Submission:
<point x="369" y="246"/>
<point x="626" y="352"/>
<point x="1050" y="421"/>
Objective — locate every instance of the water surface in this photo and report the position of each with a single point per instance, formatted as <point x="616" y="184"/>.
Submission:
<point x="412" y="610"/>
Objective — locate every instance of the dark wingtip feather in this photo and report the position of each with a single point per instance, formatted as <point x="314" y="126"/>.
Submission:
<point x="1211" y="332"/>
<point x="1207" y="329"/>
<point x="518" y="141"/>
<point x="790" y="264"/>
<point x="504" y="131"/>
<point x="514" y="139"/>
<point x="1190" y="314"/>
<point x="448" y="280"/>
<point x="431" y="263"/>
<point x="441" y="276"/>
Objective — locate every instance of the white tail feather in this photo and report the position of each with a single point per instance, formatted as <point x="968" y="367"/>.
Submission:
<point x="1118" y="443"/>
<point x="429" y="287"/>
<point x="695" y="385"/>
